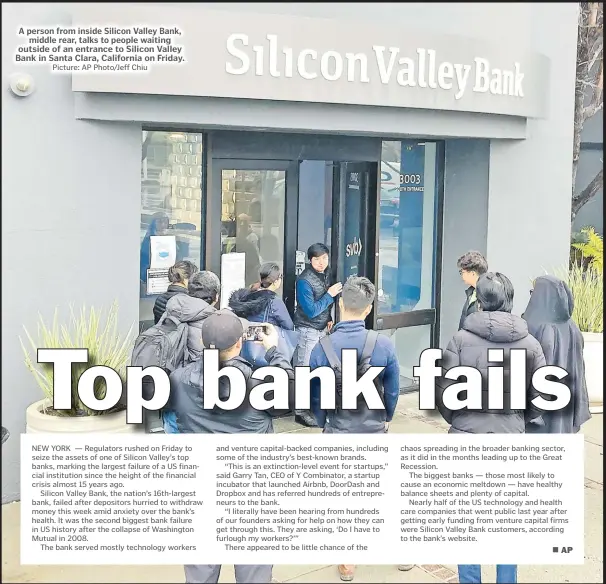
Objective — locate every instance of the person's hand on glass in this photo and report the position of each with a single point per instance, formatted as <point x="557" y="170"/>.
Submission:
<point x="335" y="289"/>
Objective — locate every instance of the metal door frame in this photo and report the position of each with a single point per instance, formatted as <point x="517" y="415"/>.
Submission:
<point x="368" y="172"/>
<point x="428" y="316"/>
<point x="291" y="206"/>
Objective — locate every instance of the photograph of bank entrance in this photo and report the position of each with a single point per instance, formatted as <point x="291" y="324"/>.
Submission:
<point x="319" y="167"/>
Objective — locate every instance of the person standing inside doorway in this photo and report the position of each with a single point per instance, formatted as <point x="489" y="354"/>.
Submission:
<point x="313" y="318"/>
<point x="471" y="266"/>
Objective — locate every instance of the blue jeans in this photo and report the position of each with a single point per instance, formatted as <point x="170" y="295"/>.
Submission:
<point x="472" y="574"/>
<point x="169" y="419"/>
<point x="308" y="339"/>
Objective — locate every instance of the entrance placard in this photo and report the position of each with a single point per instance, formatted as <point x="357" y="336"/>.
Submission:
<point x="233" y="271"/>
<point x="352" y="239"/>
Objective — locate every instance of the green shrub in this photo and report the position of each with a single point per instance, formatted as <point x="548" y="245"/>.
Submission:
<point x="86" y="330"/>
<point x="587" y="286"/>
<point x="591" y="246"/>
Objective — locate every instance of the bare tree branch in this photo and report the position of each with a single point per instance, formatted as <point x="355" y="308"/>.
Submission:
<point x="588" y="90"/>
<point x="592" y="110"/>
<point x="588" y="192"/>
<point x="596" y="55"/>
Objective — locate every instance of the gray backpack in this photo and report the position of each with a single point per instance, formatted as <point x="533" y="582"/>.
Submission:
<point x="162" y="345"/>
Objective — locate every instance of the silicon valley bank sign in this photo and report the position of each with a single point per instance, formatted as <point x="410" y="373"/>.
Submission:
<point x="386" y="64"/>
<point x="285" y="57"/>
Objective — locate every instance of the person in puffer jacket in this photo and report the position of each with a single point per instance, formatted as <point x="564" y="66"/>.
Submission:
<point x="193" y="308"/>
<point x="178" y="276"/>
<point x="492" y="327"/>
<point x="260" y="303"/>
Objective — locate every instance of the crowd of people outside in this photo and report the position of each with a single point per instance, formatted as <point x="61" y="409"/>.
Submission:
<point x="545" y="330"/>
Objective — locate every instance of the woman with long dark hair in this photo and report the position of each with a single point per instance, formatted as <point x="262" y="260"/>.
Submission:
<point x="178" y="276"/>
<point x="260" y="303"/>
<point x="549" y="319"/>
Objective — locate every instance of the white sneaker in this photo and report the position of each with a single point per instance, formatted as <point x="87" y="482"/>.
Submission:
<point x="405" y="567"/>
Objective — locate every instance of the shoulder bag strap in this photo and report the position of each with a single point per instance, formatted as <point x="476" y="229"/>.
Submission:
<point x="329" y="351"/>
<point x="369" y="345"/>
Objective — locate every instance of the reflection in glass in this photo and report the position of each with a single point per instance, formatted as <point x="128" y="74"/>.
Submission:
<point x="171" y="201"/>
<point x="252" y="217"/>
<point x="407" y="226"/>
<point x="315" y="203"/>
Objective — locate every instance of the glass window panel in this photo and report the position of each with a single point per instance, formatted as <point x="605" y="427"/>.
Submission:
<point x="407" y="226"/>
<point x="171" y="205"/>
<point x="354" y="197"/>
<point x="315" y="203"/>
<point x="252" y="218"/>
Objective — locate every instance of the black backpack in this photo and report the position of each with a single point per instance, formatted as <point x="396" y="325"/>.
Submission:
<point x="363" y="367"/>
<point x="162" y="345"/>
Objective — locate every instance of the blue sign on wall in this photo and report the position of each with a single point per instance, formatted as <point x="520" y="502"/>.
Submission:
<point x="352" y="238"/>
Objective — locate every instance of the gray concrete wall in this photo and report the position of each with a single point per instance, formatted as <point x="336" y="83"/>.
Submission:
<point x="465" y="217"/>
<point x="282" y="116"/>
<point x="592" y="213"/>
<point x="70" y="221"/>
<point x="593" y="130"/>
<point x="591" y="160"/>
<point x="530" y="180"/>
<point x="486" y="21"/>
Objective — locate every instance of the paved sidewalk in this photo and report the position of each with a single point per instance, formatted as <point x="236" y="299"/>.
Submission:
<point x="408" y="420"/>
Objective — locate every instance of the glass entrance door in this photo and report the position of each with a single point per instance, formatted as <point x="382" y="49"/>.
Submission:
<point x="408" y="246"/>
<point x="253" y="200"/>
<point x="354" y="212"/>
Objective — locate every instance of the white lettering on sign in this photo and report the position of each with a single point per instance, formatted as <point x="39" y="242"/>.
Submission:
<point x="498" y="81"/>
<point x="384" y="64"/>
<point x="410" y="179"/>
<point x="354" y="249"/>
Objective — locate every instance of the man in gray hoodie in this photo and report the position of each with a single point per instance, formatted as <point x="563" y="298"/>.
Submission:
<point x="193" y="309"/>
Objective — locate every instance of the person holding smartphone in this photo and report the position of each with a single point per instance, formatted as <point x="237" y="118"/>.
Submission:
<point x="224" y="330"/>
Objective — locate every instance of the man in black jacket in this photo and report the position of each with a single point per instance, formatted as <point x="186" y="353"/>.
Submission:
<point x="224" y="331"/>
<point x="471" y="266"/>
